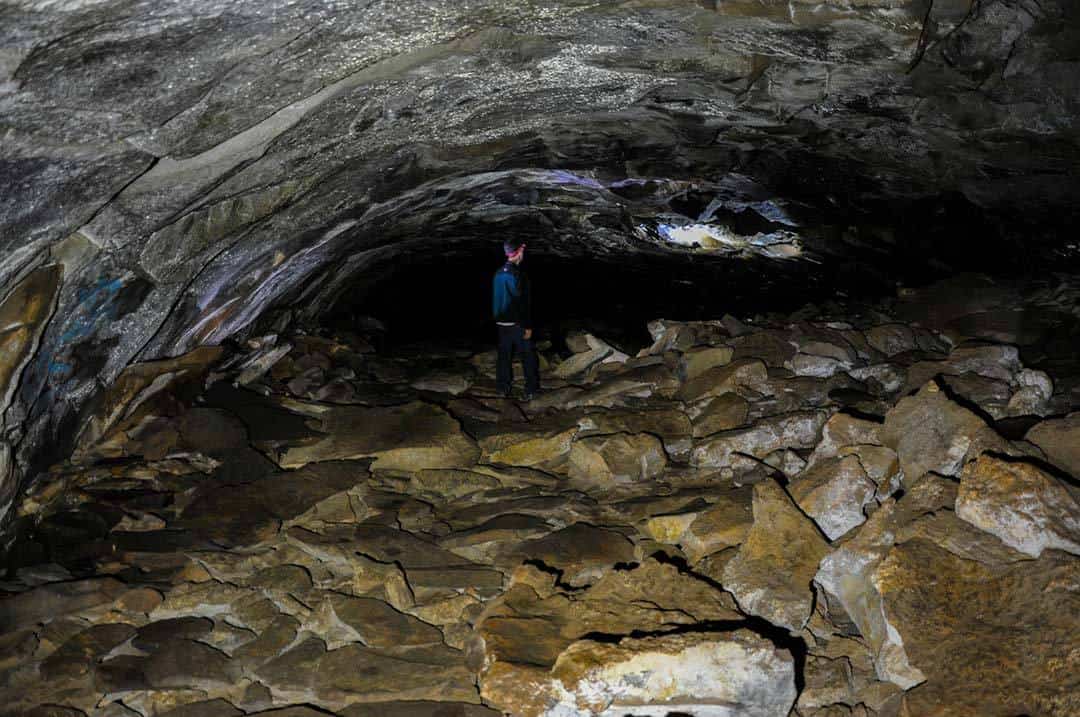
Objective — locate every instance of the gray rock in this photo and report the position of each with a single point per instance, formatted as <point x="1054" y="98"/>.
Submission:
<point x="1025" y="507"/>
<point x="931" y="433"/>
<point x="1059" y="439"/>
<point x="800" y="429"/>
<point x="835" y="493"/>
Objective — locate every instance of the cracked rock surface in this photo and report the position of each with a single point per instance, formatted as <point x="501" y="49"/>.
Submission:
<point x="471" y="562"/>
<point x="176" y="174"/>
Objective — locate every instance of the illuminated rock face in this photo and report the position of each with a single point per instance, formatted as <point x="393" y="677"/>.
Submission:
<point x="355" y="531"/>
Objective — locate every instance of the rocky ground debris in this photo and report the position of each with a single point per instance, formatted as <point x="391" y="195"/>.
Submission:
<point x="777" y="517"/>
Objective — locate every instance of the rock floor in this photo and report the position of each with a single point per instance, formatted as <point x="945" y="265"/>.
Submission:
<point x="797" y="515"/>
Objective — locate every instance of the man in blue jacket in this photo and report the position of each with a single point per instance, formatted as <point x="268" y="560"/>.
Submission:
<point x="513" y="316"/>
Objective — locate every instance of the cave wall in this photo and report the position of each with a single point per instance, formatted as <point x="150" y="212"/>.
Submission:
<point x="169" y="171"/>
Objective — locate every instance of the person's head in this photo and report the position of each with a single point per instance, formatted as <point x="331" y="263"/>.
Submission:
<point x="514" y="250"/>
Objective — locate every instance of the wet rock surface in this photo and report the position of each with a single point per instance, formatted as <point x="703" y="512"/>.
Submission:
<point x="414" y="547"/>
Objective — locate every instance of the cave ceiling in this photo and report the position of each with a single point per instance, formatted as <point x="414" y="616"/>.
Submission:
<point x="186" y="167"/>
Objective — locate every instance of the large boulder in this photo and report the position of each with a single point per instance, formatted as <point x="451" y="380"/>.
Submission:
<point x="542" y="443"/>
<point x="1026" y="507"/>
<point x="521" y="634"/>
<point x="740" y="373"/>
<point x="719" y="413"/>
<point x="846" y="577"/>
<point x="800" y="429"/>
<point x="724" y="523"/>
<point x="991" y="639"/>
<point x="834" y="492"/>
<point x="1059" y="439"/>
<point x="770" y="575"/>
<point x="672" y="426"/>
<point x="704" y="674"/>
<point x="581" y="552"/>
<point x="619" y="459"/>
<point x="932" y="433"/>
<point x="698" y="360"/>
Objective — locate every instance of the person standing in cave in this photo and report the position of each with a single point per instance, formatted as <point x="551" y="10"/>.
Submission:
<point x="511" y="306"/>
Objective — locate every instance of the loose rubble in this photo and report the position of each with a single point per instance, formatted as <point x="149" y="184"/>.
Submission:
<point x="778" y="517"/>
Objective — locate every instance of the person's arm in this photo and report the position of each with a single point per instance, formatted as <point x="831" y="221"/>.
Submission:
<point x="526" y="307"/>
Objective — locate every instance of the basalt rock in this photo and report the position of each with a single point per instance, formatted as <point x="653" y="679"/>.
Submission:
<point x="770" y="575"/>
<point x="1027" y="508"/>
<point x="701" y="674"/>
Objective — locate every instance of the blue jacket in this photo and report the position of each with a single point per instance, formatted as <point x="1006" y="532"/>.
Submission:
<point x="510" y="301"/>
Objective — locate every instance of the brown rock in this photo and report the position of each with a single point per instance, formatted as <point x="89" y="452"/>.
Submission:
<point x="522" y="632"/>
<point x="991" y="641"/>
<point x="140" y="600"/>
<point x="358" y="674"/>
<point x="449" y="483"/>
<point x="57" y="599"/>
<point x="24" y="313"/>
<point x="1027" y="508"/>
<point x="271" y="642"/>
<point x="930" y="432"/>
<point x="418" y="709"/>
<point x="722" y="413"/>
<point x="579" y="363"/>
<point x="1059" y="439"/>
<point x="620" y="459"/>
<point x="537" y="443"/>
<point x="792" y="430"/>
<point x="724" y="523"/>
<point x="581" y="552"/>
<point x="379" y="625"/>
<point x="75" y="656"/>
<point x="770" y="576"/>
<point x="142" y="390"/>
<point x="843" y="429"/>
<point x="741" y="373"/>
<point x="655" y="675"/>
<point x="672" y="427"/>
<point x="772" y="347"/>
<point x="409" y="437"/>
<point x="210" y="708"/>
<point x="189" y="664"/>
<point x="258" y="508"/>
<point x="697" y="361"/>
<point x="891" y="339"/>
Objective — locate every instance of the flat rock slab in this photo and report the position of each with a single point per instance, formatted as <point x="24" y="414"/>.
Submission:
<point x="605" y="462"/>
<point x="419" y="709"/>
<point x="528" y="626"/>
<point x="800" y="429"/>
<point x="581" y="552"/>
<point x="257" y="509"/>
<point x="57" y="599"/>
<point x="411" y="436"/>
<point x="357" y="674"/>
<point x="189" y="664"/>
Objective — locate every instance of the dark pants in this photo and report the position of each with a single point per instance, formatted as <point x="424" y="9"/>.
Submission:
<point x="512" y="340"/>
